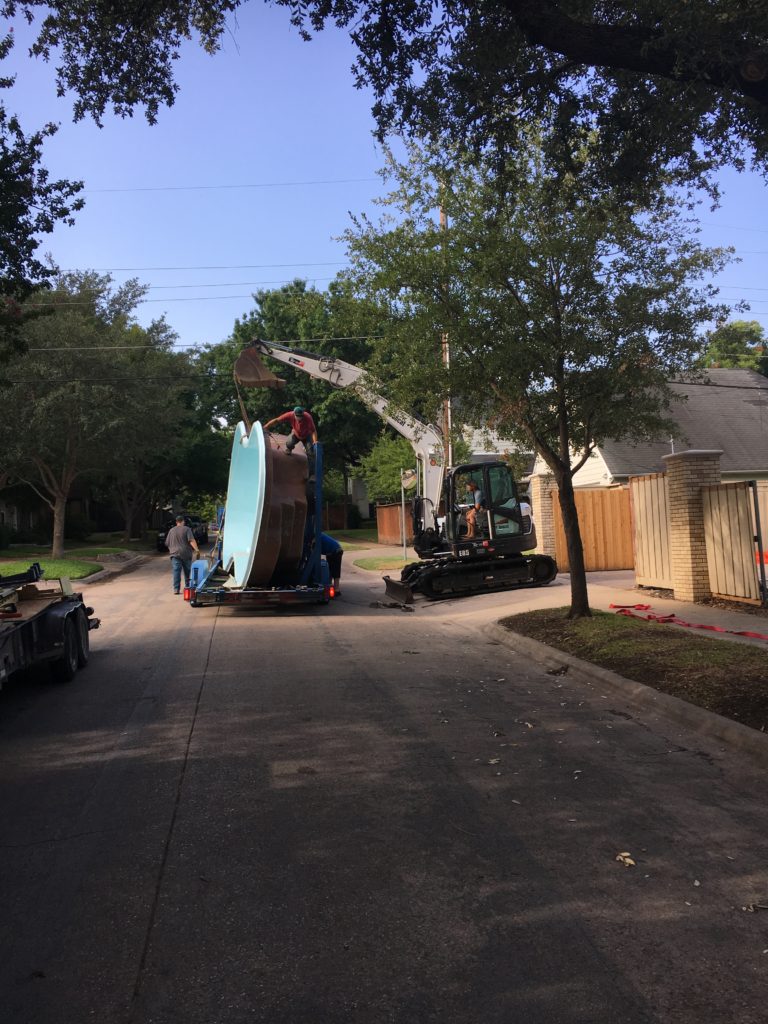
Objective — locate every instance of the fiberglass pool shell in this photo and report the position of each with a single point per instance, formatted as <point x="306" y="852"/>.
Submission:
<point x="266" y="508"/>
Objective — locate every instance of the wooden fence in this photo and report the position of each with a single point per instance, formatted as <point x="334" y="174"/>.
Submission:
<point x="605" y="524"/>
<point x="650" y="530"/>
<point x="762" y="501"/>
<point x="389" y="523"/>
<point x="729" y="533"/>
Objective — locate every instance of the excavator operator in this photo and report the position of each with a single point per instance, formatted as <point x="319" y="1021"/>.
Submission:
<point x="475" y="496"/>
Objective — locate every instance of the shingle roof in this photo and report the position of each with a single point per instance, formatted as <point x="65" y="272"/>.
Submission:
<point x="733" y="418"/>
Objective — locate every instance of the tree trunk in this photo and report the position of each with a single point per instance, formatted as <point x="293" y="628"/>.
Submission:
<point x="579" y="597"/>
<point x="59" y="516"/>
<point x="138" y="521"/>
<point x="345" y="497"/>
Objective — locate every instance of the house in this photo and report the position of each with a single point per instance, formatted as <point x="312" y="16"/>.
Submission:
<point x="728" y="414"/>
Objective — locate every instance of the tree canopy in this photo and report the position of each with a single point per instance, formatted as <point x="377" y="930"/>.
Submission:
<point x="31" y="206"/>
<point x="738" y="343"/>
<point x="94" y="394"/>
<point x="333" y="322"/>
<point x="681" y="83"/>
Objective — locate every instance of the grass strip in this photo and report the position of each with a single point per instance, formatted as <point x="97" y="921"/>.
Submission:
<point x="53" y="569"/>
<point x="374" y="564"/>
<point x="724" y="676"/>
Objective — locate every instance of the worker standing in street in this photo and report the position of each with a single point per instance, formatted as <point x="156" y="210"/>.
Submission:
<point x="182" y="545"/>
<point x="302" y="429"/>
<point x="333" y="552"/>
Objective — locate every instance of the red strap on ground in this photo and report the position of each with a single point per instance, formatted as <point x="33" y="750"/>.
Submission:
<point x="631" y="609"/>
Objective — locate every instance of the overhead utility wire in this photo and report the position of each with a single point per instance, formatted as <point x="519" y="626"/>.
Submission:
<point x="213" y="188"/>
<point x="236" y="266"/>
<point x="138" y="348"/>
<point x="225" y="376"/>
<point x="181" y="298"/>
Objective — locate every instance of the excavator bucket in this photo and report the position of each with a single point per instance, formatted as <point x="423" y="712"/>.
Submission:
<point x="399" y="591"/>
<point x="251" y="372"/>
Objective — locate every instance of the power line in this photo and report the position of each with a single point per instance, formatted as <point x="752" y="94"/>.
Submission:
<point x="733" y="227"/>
<point x="226" y="284"/>
<point x="224" y="376"/>
<point x="112" y="380"/>
<point x="214" y="188"/>
<point x="139" y="348"/>
<point x="236" y="266"/>
<point x="190" y="298"/>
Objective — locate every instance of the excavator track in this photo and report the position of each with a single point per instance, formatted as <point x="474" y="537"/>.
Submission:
<point x="450" y="578"/>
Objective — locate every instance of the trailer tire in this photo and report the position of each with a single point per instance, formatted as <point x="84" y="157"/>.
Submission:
<point x="83" y="638"/>
<point x="65" y="667"/>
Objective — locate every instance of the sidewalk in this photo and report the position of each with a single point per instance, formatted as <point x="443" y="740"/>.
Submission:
<point x="607" y="588"/>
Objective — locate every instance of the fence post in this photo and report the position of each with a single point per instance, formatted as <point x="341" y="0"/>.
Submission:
<point x="543" y="492"/>
<point x="687" y="473"/>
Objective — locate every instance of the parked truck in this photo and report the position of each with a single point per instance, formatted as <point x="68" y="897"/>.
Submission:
<point x="42" y="622"/>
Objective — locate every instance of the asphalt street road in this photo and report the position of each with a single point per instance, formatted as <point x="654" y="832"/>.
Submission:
<point x="354" y="814"/>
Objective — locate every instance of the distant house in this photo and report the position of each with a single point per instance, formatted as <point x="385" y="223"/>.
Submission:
<point x="729" y="414"/>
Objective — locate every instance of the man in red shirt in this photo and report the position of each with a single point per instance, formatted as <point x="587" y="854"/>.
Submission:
<point x="302" y="429"/>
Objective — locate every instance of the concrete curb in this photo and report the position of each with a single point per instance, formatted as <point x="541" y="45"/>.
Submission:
<point x="108" y="572"/>
<point x="737" y="737"/>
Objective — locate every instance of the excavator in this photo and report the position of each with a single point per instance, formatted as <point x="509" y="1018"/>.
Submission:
<point x="456" y="559"/>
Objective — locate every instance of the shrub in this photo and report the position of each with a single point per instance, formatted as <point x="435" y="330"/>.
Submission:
<point x="7" y="535"/>
<point x="78" y="527"/>
<point x="354" y="519"/>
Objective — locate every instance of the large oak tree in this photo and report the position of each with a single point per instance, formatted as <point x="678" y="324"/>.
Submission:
<point x="567" y="311"/>
<point x="681" y="83"/>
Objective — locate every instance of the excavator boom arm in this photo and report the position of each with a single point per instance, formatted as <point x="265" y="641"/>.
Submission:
<point x="425" y="438"/>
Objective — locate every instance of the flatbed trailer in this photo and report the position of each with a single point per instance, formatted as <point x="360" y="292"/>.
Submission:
<point x="211" y="583"/>
<point x="212" y="589"/>
<point x="43" y="622"/>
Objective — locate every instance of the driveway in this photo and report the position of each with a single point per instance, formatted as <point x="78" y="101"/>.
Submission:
<point x="358" y="814"/>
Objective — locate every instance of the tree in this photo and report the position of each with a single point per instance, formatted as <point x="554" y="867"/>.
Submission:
<point x="334" y="323"/>
<point x="163" y="436"/>
<point x="675" y="83"/>
<point x="567" y="311"/>
<point x="681" y="83"/>
<point x="31" y="206"/>
<point x="77" y="402"/>
<point x="382" y="466"/>
<point x="740" y="343"/>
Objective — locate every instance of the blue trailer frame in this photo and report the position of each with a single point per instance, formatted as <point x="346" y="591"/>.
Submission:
<point x="313" y="586"/>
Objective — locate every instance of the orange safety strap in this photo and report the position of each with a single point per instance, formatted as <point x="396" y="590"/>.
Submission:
<point x="631" y="609"/>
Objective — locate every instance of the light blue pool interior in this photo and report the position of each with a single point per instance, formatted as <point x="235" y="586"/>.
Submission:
<point x="245" y="501"/>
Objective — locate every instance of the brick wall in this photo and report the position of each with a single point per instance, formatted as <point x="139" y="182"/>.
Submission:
<point x="543" y="492"/>
<point x="687" y="473"/>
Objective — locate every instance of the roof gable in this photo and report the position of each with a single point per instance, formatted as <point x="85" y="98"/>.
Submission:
<point x="730" y="413"/>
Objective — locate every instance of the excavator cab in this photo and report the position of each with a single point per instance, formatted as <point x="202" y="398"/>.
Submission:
<point x="503" y="521"/>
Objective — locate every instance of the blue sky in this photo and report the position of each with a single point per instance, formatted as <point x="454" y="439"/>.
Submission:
<point x="249" y="179"/>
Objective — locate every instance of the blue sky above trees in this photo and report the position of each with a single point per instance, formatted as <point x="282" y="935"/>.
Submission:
<point x="251" y="177"/>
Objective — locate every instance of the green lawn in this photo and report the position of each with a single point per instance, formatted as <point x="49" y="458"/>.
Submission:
<point x="719" y="675"/>
<point x="79" y="559"/>
<point x="375" y="564"/>
<point x="73" y="568"/>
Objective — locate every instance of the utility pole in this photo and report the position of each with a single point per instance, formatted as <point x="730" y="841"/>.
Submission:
<point x="446" y="353"/>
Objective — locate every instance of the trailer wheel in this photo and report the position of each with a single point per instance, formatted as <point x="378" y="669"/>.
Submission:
<point x="83" y="638"/>
<point x="65" y="667"/>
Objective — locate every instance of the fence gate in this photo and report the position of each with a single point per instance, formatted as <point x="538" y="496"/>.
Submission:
<point x="650" y="530"/>
<point x="729" y="531"/>
<point x="604" y="520"/>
